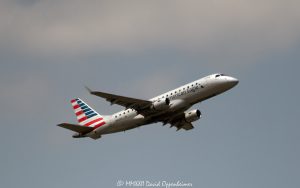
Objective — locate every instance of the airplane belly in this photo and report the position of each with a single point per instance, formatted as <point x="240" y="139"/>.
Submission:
<point x="124" y="124"/>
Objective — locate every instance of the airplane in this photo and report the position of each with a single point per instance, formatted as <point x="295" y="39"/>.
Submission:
<point x="168" y="108"/>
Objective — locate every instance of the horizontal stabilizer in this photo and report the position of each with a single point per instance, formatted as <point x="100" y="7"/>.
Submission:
<point x="76" y="128"/>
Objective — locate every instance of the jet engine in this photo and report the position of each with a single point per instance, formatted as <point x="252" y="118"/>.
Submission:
<point x="161" y="104"/>
<point x="192" y="116"/>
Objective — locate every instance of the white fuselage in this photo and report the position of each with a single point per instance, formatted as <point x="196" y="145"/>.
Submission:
<point x="181" y="99"/>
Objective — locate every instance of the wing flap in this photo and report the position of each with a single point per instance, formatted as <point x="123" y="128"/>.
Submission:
<point x="187" y="126"/>
<point x="76" y="128"/>
<point x="183" y="125"/>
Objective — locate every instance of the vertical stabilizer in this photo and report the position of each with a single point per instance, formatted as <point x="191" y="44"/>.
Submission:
<point x="86" y="116"/>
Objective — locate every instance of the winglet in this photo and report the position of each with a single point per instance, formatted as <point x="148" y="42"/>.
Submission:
<point x="89" y="90"/>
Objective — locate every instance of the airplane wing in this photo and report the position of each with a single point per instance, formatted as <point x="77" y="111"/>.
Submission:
<point x="127" y="102"/>
<point x="185" y="126"/>
<point x="177" y="120"/>
<point x="181" y="124"/>
<point x="76" y="128"/>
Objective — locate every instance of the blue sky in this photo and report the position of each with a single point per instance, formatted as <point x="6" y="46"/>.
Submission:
<point x="248" y="137"/>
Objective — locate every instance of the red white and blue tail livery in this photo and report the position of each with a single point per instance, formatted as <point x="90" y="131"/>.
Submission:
<point x="168" y="108"/>
<point x="86" y="116"/>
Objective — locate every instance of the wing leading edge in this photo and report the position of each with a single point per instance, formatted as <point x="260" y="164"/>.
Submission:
<point x="127" y="102"/>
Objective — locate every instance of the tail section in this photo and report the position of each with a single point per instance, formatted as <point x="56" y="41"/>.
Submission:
<point x="86" y="116"/>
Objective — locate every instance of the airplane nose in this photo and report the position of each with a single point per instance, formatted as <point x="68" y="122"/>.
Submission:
<point x="233" y="81"/>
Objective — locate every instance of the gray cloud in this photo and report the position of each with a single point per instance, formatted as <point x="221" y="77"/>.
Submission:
<point x="236" y="28"/>
<point x="221" y="32"/>
<point x="24" y="95"/>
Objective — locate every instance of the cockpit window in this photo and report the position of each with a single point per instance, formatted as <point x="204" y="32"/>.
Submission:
<point x="218" y="75"/>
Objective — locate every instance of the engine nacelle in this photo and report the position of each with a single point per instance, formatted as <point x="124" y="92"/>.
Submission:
<point x="161" y="104"/>
<point x="192" y="116"/>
